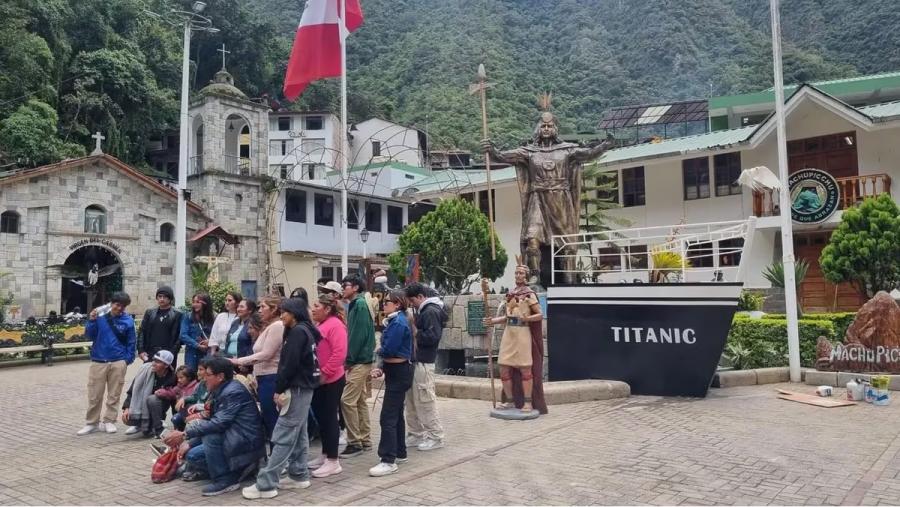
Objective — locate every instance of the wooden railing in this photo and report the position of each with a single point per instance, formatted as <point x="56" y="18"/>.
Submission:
<point x="853" y="190"/>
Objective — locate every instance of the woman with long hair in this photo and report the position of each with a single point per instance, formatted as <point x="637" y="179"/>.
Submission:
<point x="395" y="358"/>
<point x="328" y="314"/>
<point x="222" y="325"/>
<point x="237" y="341"/>
<point x="196" y="328"/>
<point x="264" y="359"/>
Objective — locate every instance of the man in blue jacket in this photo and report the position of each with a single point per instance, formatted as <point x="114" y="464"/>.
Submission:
<point x="227" y="446"/>
<point x="112" y="351"/>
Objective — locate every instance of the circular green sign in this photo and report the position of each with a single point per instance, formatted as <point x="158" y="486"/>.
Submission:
<point x="815" y="196"/>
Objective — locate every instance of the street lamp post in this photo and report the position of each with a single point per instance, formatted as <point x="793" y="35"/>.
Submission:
<point x="364" y="237"/>
<point x="191" y="21"/>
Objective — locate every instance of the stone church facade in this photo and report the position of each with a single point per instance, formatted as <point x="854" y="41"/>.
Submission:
<point x="60" y="220"/>
<point x="95" y="204"/>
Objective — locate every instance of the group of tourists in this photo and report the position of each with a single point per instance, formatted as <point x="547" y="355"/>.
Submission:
<point x="259" y="380"/>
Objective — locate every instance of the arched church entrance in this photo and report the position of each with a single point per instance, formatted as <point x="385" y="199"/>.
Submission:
<point x="90" y="276"/>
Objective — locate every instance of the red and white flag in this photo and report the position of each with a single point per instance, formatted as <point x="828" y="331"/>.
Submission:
<point x="317" y="46"/>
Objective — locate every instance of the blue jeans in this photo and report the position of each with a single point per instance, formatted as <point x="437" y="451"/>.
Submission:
<point x="290" y="443"/>
<point x="210" y="457"/>
<point x="265" y="390"/>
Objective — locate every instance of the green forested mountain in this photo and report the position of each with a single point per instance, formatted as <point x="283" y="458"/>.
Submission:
<point x="71" y="67"/>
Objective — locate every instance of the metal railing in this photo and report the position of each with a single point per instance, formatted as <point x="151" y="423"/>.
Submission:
<point x="231" y="164"/>
<point x="673" y="253"/>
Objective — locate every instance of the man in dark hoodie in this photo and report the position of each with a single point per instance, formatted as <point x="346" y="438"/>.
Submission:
<point x="297" y="378"/>
<point x="425" y="430"/>
<point x="160" y="328"/>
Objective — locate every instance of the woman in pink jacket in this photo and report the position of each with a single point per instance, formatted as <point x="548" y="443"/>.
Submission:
<point x="331" y="352"/>
<point x="264" y="359"/>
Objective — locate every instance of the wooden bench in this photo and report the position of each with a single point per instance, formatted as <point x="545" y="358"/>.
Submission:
<point x="46" y="352"/>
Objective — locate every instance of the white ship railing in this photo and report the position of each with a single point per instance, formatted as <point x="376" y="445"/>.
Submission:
<point x="708" y="252"/>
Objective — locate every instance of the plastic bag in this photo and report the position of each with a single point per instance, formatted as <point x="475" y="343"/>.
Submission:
<point x="165" y="467"/>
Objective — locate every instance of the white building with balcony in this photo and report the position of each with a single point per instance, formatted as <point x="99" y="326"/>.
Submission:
<point x="693" y="180"/>
<point x="303" y="146"/>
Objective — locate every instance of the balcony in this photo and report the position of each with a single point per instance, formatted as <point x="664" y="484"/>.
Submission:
<point x="231" y="164"/>
<point x="853" y="190"/>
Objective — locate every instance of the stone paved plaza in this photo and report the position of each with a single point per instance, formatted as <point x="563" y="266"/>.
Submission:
<point x="738" y="446"/>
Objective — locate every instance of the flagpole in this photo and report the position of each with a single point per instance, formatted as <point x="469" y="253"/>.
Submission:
<point x="345" y="233"/>
<point x="784" y="202"/>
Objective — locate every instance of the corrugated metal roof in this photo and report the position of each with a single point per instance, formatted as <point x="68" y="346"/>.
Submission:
<point x="885" y="110"/>
<point x="678" y="146"/>
<point x="650" y="114"/>
<point x="458" y="180"/>
<point x="835" y="87"/>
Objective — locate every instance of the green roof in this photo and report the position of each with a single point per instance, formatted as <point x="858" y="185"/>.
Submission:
<point x="460" y="180"/>
<point x="721" y="139"/>
<point x="400" y="166"/>
<point x="834" y="87"/>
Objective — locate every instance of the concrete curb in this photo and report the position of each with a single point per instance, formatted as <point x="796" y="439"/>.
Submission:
<point x="556" y="393"/>
<point x="759" y="376"/>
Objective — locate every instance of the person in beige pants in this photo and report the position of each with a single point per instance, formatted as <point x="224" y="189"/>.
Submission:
<point x="424" y="429"/>
<point x="113" y="349"/>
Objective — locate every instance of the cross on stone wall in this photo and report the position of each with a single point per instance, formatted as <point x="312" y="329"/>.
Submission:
<point x="97" y="150"/>
<point x="223" y="54"/>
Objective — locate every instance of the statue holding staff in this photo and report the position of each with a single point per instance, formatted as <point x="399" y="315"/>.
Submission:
<point x="549" y="176"/>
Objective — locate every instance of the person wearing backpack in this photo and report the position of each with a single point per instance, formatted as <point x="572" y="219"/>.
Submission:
<point x="113" y="349"/>
<point x="160" y="328"/>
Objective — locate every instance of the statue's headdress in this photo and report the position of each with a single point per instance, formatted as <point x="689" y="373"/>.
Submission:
<point x="521" y="264"/>
<point x="544" y="103"/>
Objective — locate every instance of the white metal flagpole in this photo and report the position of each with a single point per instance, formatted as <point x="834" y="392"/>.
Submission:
<point x="181" y="218"/>
<point x="784" y="202"/>
<point x="344" y="157"/>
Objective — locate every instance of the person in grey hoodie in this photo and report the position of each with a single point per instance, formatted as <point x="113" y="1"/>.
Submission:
<point x="424" y="426"/>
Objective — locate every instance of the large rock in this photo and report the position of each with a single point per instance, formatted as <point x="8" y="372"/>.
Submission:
<point x="877" y="323"/>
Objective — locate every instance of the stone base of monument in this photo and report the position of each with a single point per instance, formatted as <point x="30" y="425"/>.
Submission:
<point x="840" y="379"/>
<point x="514" y="414"/>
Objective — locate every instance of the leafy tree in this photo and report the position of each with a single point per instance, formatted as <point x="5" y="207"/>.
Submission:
<point x="865" y="248"/>
<point x="29" y="136"/>
<point x="453" y="242"/>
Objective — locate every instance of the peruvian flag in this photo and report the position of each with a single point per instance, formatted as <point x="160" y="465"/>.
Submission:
<point x="317" y="46"/>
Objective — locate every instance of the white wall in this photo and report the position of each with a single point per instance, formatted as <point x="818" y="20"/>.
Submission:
<point x="398" y="143"/>
<point x="327" y="137"/>
<point x="326" y="240"/>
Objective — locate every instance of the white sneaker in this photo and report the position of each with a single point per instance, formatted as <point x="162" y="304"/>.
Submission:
<point x="400" y="460"/>
<point x="88" y="428"/>
<point x="330" y="467"/>
<point x="132" y="430"/>
<point x="288" y="483"/>
<point x="251" y="493"/>
<point x="314" y="464"/>
<point x="382" y="469"/>
<point x="413" y="440"/>
<point x="108" y="427"/>
<point x="429" y="444"/>
<point x="342" y="440"/>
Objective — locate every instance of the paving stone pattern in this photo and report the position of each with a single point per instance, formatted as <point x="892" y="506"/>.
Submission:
<point x="738" y="446"/>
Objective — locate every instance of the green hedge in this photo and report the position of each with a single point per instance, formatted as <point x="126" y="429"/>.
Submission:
<point x="762" y="343"/>
<point x="841" y="320"/>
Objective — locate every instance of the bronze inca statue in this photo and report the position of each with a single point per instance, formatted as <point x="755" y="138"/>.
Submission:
<point x="549" y="174"/>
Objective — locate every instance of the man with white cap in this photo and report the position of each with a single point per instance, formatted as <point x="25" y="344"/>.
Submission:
<point x="142" y="409"/>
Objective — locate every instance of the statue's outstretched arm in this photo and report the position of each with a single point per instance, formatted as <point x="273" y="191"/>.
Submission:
<point x="514" y="156"/>
<point x="592" y="151"/>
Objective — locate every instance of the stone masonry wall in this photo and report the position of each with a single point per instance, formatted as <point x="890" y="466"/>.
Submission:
<point x="51" y="209"/>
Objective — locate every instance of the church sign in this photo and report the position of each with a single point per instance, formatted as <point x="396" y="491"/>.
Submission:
<point x="96" y="242"/>
<point x="661" y="339"/>
<point x="815" y="196"/>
